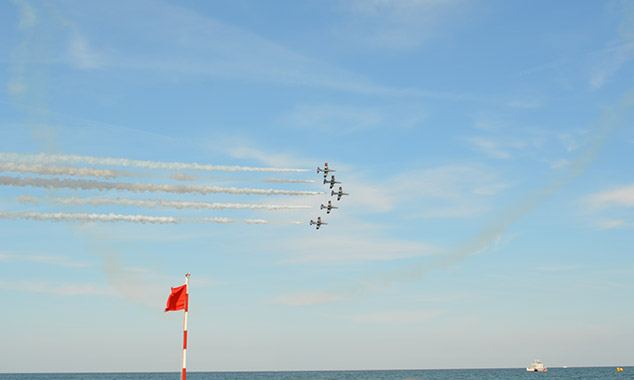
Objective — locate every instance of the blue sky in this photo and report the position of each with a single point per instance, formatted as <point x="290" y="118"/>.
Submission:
<point x="486" y="147"/>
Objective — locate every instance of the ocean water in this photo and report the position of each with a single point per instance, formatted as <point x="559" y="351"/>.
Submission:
<point x="592" y="373"/>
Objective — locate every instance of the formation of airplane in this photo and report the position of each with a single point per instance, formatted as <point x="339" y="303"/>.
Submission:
<point x="318" y="222"/>
<point x="331" y="182"/>
<point x="326" y="170"/>
<point x="328" y="207"/>
<point x="338" y="193"/>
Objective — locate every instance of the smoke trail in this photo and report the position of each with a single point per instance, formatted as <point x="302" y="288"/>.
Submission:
<point x="282" y="180"/>
<point x="56" y="183"/>
<point x="611" y="118"/>
<point x="65" y="170"/>
<point x="85" y="217"/>
<point x="183" y="177"/>
<point x="123" y="162"/>
<point x="152" y="203"/>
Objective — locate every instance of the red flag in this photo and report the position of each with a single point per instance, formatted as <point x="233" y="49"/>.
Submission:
<point x="178" y="299"/>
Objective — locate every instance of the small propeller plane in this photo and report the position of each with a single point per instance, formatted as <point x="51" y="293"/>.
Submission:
<point x="328" y="207"/>
<point x="339" y="193"/>
<point x="326" y="170"/>
<point x="318" y="222"/>
<point x="331" y="182"/>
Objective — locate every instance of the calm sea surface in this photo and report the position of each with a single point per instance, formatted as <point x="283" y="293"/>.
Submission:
<point x="598" y="373"/>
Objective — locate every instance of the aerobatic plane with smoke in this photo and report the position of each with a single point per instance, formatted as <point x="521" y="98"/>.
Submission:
<point x="331" y="182"/>
<point x="72" y="172"/>
<point x="326" y="170"/>
<point x="318" y="222"/>
<point x="339" y="193"/>
<point x="328" y="207"/>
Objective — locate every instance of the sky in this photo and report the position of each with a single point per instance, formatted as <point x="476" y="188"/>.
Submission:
<point x="486" y="147"/>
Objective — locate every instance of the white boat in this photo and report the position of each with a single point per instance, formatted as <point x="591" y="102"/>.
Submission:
<point x="537" y="366"/>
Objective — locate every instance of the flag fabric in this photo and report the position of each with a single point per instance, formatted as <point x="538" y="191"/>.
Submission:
<point x="178" y="299"/>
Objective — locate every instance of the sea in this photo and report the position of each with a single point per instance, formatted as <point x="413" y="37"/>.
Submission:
<point x="577" y="373"/>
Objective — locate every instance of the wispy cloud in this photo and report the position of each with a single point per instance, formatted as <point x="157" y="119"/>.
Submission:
<point x="333" y="117"/>
<point x="609" y="61"/>
<point x="399" y="317"/>
<point x="603" y="62"/>
<point x="353" y="118"/>
<point x="620" y="197"/>
<point x="28" y="16"/>
<point x="58" y="289"/>
<point x="351" y="246"/>
<point x="197" y="49"/>
<point x="42" y="259"/>
<point x="490" y="147"/>
<point x="609" y="224"/>
<point x="82" y="55"/>
<point x="453" y="190"/>
<point x="561" y="268"/>
<point x="307" y="299"/>
<point x="398" y="25"/>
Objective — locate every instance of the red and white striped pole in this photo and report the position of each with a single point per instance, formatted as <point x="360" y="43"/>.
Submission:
<point x="185" y="325"/>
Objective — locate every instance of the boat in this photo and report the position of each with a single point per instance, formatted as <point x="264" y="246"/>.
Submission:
<point x="537" y="366"/>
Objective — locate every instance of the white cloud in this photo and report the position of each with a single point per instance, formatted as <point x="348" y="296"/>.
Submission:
<point x="82" y="55"/>
<point x="613" y="202"/>
<point x="623" y="196"/>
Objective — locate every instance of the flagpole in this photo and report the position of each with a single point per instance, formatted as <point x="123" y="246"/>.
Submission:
<point x="185" y="325"/>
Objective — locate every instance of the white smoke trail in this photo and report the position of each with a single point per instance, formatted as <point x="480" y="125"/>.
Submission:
<point x="85" y="217"/>
<point x="152" y="203"/>
<point x="282" y="180"/>
<point x="64" y="170"/>
<point x="123" y="162"/>
<point x="492" y="232"/>
<point x="56" y="183"/>
<point x="183" y="177"/>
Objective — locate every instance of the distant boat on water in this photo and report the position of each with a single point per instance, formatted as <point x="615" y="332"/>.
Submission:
<point x="537" y="366"/>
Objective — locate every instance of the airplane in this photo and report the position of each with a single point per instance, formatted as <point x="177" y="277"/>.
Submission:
<point x="318" y="222"/>
<point x="339" y="193"/>
<point x="326" y="170"/>
<point x="331" y="182"/>
<point x="329" y="207"/>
